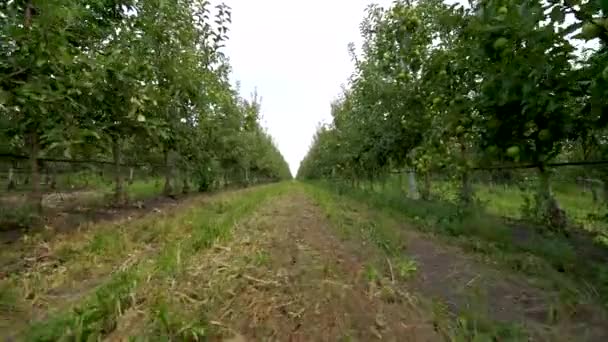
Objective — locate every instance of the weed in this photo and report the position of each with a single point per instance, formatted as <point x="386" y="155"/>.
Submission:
<point x="9" y="298"/>
<point x="170" y="324"/>
<point x="21" y="216"/>
<point x="471" y="324"/>
<point x="406" y="268"/>
<point x="67" y="252"/>
<point x="169" y="262"/>
<point x="220" y="207"/>
<point x="93" y="318"/>
<point x="207" y="234"/>
<point x="467" y="329"/>
<point x="372" y="274"/>
<point x="107" y="242"/>
<point x="261" y="258"/>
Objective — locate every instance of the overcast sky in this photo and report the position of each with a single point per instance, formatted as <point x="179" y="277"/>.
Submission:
<point x="296" y="54"/>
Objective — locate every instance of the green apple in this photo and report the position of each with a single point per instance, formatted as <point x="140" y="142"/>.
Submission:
<point x="503" y="10"/>
<point x="413" y="22"/>
<point x="492" y="149"/>
<point x="544" y="135"/>
<point x="493" y="123"/>
<point x="590" y="31"/>
<point x="500" y="43"/>
<point x="513" y="151"/>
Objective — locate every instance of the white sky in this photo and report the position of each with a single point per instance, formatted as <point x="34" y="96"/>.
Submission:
<point x="295" y="53"/>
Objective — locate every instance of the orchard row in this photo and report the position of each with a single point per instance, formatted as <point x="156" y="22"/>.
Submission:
<point x="129" y="81"/>
<point x="453" y="88"/>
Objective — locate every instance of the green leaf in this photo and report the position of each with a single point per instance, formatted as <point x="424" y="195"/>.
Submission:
<point x="603" y="5"/>
<point x="558" y="15"/>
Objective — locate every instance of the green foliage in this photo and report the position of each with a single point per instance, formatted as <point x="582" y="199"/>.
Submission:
<point x="452" y="88"/>
<point x="19" y="216"/>
<point x="140" y="82"/>
<point x="372" y="274"/>
<point x="107" y="243"/>
<point x="406" y="268"/>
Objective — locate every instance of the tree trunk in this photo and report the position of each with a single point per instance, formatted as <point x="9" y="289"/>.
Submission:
<point x="11" y="181"/>
<point x="466" y="191"/>
<point x="168" y="174"/>
<point x="547" y="207"/>
<point x="28" y="13"/>
<point x="35" y="196"/>
<point x="594" y="193"/>
<point x="131" y="175"/>
<point x="53" y="179"/>
<point x="49" y="177"/>
<point x="412" y="185"/>
<point x="605" y="190"/>
<point x="120" y="197"/>
<point x="186" y="186"/>
<point x="544" y="190"/>
<point x="426" y="189"/>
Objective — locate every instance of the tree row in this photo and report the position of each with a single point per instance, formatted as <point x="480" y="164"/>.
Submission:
<point x="440" y="88"/>
<point x="130" y="81"/>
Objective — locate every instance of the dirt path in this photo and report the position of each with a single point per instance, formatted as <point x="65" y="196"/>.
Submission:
<point x="288" y="276"/>
<point x="300" y="283"/>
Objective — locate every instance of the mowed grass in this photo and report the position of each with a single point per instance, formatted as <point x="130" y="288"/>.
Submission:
<point x="77" y="286"/>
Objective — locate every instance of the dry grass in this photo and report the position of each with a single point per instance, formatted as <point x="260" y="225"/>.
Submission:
<point x="116" y="261"/>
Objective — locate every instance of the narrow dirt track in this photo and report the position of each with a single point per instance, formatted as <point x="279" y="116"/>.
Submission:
<point x="307" y="286"/>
